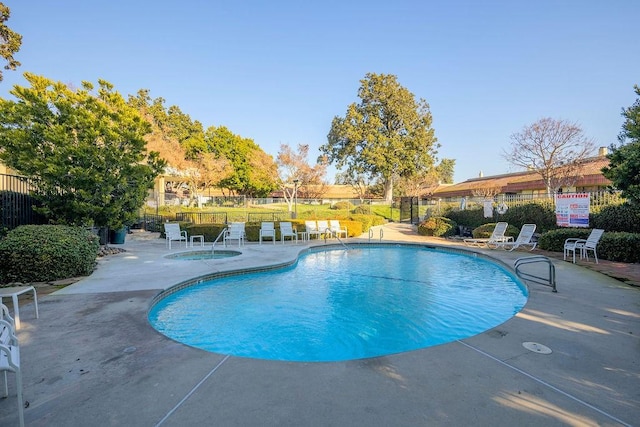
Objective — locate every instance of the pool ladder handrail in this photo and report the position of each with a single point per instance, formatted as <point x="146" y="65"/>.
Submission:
<point x="546" y="281"/>
<point x="334" y="234"/>
<point x="224" y="230"/>
<point x="371" y="234"/>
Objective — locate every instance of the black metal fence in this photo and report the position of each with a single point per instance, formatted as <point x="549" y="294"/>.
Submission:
<point x="268" y="216"/>
<point x="202" y="217"/>
<point x="16" y="204"/>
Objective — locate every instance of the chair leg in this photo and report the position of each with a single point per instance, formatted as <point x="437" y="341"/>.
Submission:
<point x="6" y="385"/>
<point x="19" y="393"/>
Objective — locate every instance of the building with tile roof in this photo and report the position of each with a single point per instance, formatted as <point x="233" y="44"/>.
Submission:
<point x="528" y="183"/>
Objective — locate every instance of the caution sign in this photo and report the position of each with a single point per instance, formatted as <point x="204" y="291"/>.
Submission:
<point x="572" y="210"/>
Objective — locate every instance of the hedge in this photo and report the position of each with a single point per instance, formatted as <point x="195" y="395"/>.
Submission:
<point x="437" y="226"/>
<point x="613" y="246"/>
<point x="42" y="253"/>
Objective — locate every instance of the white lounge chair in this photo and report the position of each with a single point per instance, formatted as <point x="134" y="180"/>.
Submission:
<point x="172" y="232"/>
<point x="234" y="232"/>
<point x="583" y="245"/>
<point x="10" y="362"/>
<point x="336" y="229"/>
<point x="497" y="236"/>
<point x="311" y="227"/>
<point x="268" y="229"/>
<point x="287" y="230"/>
<point x="524" y="239"/>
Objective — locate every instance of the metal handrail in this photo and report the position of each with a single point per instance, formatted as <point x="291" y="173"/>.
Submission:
<point x="371" y="234"/>
<point x="334" y="234"/>
<point x="550" y="281"/>
<point x="224" y="230"/>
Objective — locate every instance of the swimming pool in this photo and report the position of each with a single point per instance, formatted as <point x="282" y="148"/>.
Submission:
<point x="341" y="304"/>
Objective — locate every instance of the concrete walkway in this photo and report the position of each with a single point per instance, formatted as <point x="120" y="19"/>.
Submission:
<point x="93" y="359"/>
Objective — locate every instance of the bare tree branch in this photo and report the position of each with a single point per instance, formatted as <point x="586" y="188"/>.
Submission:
<point x="553" y="148"/>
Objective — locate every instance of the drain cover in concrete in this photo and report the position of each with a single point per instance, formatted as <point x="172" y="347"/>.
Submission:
<point x="536" y="348"/>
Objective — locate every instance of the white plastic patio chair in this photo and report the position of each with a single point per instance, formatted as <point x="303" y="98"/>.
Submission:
<point x="524" y="239"/>
<point x="10" y="362"/>
<point x="234" y="232"/>
<point x="6" y="316"/>
<point x="336" y="229"/>
<point x="583" y="245"/>
<point x="268" y="229"/>
<point x="172" y="232"/>
<point x="286" y="230"/>
<point x="497" y="236"/>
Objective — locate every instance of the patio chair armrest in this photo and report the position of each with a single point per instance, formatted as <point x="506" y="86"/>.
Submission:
<point x="10" y="338"/>
<point x="572" y="241"/>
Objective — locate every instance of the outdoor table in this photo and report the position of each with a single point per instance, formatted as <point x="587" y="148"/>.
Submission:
<point x="14" y="292"/>
<point x="197" y="236"/>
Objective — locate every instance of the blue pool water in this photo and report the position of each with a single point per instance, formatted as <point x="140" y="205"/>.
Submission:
<point x="344" y="304"/>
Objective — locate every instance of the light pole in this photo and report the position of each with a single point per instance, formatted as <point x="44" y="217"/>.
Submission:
<point x="295" y="199"/>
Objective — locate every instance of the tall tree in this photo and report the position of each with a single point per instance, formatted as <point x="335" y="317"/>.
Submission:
<point x="10" y="41"/>
<point x="85" y="151"/>
<point x="624" y="159"/>
<point x="445" y="170"/>
<point x="554" y="148"/>
<point x="387" y="135"/>
<point x="296" y="174"/>
<point x="254" y="172"/>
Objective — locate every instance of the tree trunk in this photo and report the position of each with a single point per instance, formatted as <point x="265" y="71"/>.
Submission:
<point x="388" y="190"/>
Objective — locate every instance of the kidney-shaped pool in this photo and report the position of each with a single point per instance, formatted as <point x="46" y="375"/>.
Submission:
<point x="336" y="304"/>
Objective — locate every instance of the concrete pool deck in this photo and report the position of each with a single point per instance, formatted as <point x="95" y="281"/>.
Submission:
<point x="92" y="358"/>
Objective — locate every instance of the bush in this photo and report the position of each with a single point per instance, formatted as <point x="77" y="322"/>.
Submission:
<point x="614" y="246"/>
<point x="361" y="210"/>
<point x="554" y="240"/>
<point x="209" y="231"/>
<point x="41" y="253"/>
<point x="625" y="217"/>
<point x="437" y="226"/>
<point x="342" y="206"/>
<point x="471" y="218"/>
<point x="619" y="246"/>
<point x="486" y="230"/>
<point x="543" y="215"/>
<point x="366" y="221"/>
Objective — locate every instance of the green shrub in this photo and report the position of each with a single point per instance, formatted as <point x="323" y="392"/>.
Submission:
<point x="209" y="231"/>
<point x="625" y="217"/>
<point x="486" y="230"/>
<point x="40" y="253"/>
<point x="437" y="226"/>
<point x="471" y="218"/>
<point x="361" y="210"/>
<point x="619" y="246"/>
<point x="342" y="206"/>
<point x="554" y="240"/>
<point x="354" y="228"/>
<point x="614" y="246"/>
<point x="541" y="214"/>
<point x="367" y="221"/>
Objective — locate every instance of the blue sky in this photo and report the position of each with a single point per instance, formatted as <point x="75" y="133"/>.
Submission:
<point x="279" y="71"/>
